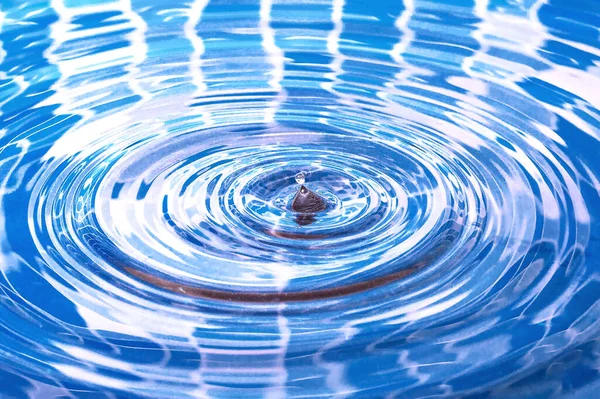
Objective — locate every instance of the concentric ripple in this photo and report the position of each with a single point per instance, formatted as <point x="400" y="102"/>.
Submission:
<point x="150" y="153"/>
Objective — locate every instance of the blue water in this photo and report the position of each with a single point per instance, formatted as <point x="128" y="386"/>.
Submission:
<point x="148" y="154"/>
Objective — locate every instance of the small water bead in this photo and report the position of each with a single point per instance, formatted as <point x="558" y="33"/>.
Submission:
<point x="300" y="178"/>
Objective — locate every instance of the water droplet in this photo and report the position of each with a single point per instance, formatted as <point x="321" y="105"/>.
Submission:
<point x="300" y="178"/>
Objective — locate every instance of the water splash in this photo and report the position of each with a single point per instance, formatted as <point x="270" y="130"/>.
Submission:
<point x="150" y="153"/>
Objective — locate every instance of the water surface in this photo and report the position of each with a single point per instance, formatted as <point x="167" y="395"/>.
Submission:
<point x="148" y="156"/>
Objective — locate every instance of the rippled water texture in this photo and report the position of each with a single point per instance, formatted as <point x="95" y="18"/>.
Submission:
<point x="149" y="152"/>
